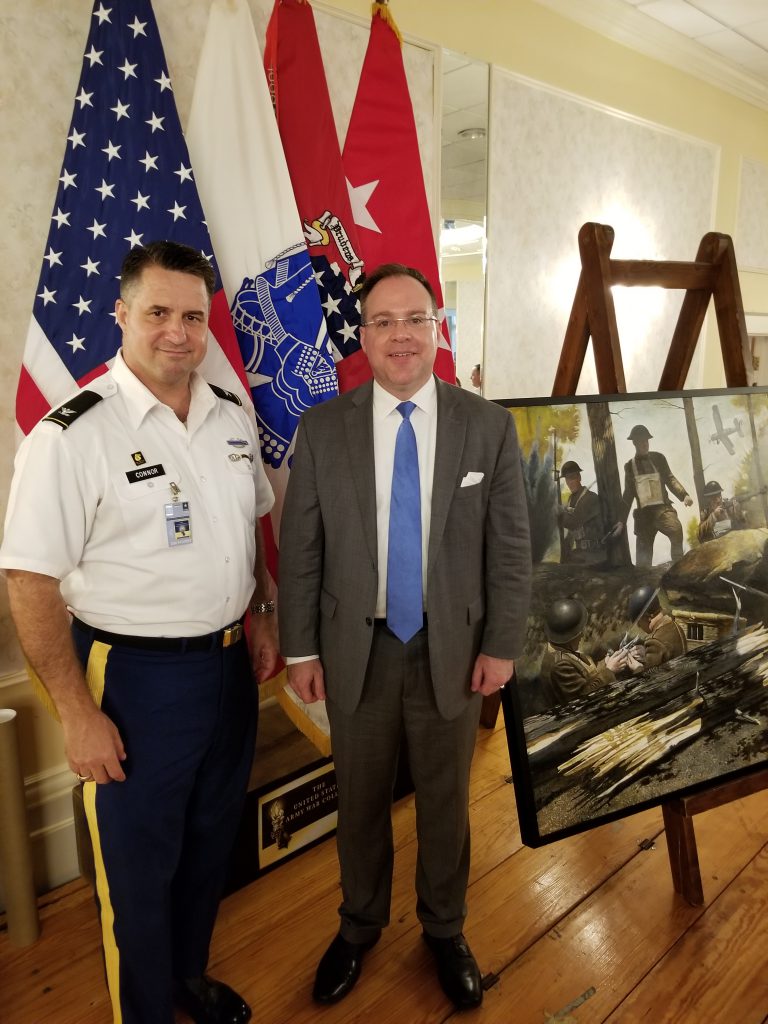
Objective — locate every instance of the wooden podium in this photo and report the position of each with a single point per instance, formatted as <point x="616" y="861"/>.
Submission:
<point x="713" y="274"/>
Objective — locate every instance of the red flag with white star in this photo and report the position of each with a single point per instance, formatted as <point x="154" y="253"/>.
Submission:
<point x="296" y="79"/>
<point x="383" y="168"/>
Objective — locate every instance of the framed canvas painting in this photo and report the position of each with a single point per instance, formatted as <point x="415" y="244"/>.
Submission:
<point x="645" y="670"/>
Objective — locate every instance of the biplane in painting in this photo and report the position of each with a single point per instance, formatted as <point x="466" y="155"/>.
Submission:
<point x="721" y="433"/>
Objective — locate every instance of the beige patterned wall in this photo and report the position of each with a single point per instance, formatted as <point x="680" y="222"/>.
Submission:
<point x="556" y="162"/>
<point x="751" y="238"/>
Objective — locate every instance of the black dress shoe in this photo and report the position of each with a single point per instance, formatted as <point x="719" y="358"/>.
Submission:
<point x="457" y="970"/>
<point x="210" y="1002"/>
<point x="339" y="969"/>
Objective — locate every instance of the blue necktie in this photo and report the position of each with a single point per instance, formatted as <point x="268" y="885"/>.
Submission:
<point x="405" y="615"/>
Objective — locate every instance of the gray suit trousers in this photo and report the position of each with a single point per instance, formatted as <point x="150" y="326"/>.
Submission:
<point x="398" y="705"/>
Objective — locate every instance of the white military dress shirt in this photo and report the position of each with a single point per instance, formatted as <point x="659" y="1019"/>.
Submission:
<point x="87" y="506"/>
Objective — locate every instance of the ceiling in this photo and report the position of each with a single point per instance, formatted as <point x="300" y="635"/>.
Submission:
<point x="724" y="42"/>
<point x="734" y="30"/>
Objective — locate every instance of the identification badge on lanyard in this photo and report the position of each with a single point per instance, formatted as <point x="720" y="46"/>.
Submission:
<point x="178" y="521"/>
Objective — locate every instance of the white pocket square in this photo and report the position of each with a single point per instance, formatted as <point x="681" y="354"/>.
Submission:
<point x="471" y="479"/>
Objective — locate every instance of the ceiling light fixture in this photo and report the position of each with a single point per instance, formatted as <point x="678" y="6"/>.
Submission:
<point x="472" y="134"/>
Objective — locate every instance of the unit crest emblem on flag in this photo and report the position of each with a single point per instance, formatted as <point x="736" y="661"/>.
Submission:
<point x="320" y="232"/>
<point x="271" y="314"/>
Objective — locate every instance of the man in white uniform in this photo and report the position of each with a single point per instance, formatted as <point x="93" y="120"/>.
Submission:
<point x="134" y="508"/>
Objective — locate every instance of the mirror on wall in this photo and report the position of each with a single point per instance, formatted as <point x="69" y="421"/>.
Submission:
<point x="463" y="190"/>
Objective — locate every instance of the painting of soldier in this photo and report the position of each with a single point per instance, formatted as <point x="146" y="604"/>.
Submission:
<point x="648" y="481"/>
<point x="582" y="520"/>
<point x="663" y="638"/>
<point x="566" y="672"/>
<point x="719" y="515"/>
<point x="645" y="668"/>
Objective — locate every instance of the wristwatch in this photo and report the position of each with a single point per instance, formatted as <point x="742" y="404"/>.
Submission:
<point x="262" y="607"/>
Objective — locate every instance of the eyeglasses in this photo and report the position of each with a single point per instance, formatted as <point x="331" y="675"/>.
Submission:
<point x="416" y="322"/>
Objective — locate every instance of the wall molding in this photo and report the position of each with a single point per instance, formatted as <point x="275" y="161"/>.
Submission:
<point x="606" y="108"/>
<point x="9" y="679"/>
<point x="52" y="826"/>
<point x="50" y="818"/>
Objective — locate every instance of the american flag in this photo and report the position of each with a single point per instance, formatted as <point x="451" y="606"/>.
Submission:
<point x="341" y="308"/>
<point x="125" y="180"/>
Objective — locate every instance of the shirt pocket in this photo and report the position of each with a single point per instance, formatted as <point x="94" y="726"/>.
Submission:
<point x="242" y="484"/>
<point x="141" y="504"/>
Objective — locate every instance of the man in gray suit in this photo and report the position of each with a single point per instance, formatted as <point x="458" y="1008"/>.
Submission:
<point x="343" y="574"/>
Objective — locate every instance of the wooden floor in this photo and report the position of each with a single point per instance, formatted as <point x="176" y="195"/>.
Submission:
<point x="586" y="930"/>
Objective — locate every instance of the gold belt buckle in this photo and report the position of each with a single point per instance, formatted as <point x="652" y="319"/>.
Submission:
<point x="232" y="634"/>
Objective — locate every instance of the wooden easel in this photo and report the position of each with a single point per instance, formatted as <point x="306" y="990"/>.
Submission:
<point x="712" y="274"/>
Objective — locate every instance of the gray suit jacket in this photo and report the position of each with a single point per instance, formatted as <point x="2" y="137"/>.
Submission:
<point x="478" y="566"/>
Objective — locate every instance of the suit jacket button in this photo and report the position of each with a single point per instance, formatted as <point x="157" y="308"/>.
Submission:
<point x="368" y="620"/>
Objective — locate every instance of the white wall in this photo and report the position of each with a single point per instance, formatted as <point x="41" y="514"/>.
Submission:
<point x="556" y="162"/>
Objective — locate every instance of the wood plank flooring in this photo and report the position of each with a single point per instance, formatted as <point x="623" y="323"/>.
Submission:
<point x="586" y="930"/>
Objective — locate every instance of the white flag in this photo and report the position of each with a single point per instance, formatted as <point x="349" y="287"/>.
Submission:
<point x="257" y="234"/>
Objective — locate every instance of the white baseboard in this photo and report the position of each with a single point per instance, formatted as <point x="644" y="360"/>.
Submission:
<point x="52" y="826"/>
<point x="48" y="796"/>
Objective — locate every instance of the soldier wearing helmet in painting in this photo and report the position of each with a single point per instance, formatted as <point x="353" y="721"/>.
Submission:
<point x="565" y="672"/>
<point x="719" y="515"/>
<point x="647" y="480"/>
<point x="664" y="639"/>
<point x="582" y="520"/>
